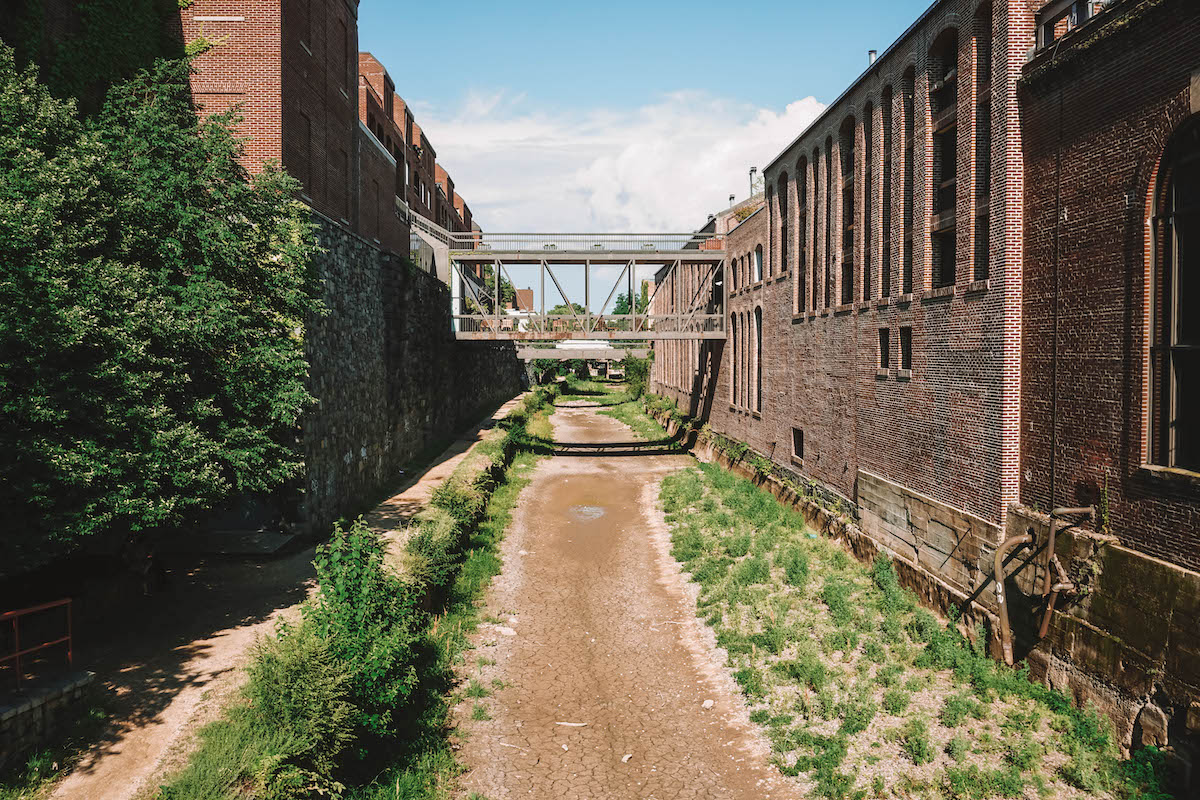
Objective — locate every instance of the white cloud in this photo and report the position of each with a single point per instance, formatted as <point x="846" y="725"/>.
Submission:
<point x="661" y="167"/>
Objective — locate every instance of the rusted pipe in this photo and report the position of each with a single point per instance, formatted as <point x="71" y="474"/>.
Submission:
<point x="1054" y="592"/>
<point x="1055" y="515"/>
<point x="1001" y="600"/>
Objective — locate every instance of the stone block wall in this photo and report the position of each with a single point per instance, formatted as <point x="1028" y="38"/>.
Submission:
<point x="389" y="377"/>
<point x="35" y="716"/>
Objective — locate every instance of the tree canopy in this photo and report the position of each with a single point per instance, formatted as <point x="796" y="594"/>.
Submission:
<point x="152" y="306"/>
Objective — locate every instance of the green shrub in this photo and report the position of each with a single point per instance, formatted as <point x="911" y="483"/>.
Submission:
<point x="153" y="297"/>
<point x="958" y="748"/>
<point x="297" y="686"/>
<point x="836" y="594"/>
<point x="738" y="544"/>
<point x="751" y="681"/>
<point x="895" y="701"/>
<point x="806" y="670"/>
<point x="464" y="502"/>
<point x="369" y="619"/>
<point x="795" y="566"/>
<point x="751" y="571"/>
<point x="973" y="783"/>
<point x="914" y="741"/>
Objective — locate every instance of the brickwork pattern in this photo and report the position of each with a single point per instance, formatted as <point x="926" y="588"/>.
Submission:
<point x="1095" y="129"/>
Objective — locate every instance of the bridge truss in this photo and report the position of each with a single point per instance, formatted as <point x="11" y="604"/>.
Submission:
<point x="688" y="298"/>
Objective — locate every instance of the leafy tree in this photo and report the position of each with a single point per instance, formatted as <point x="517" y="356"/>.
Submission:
<point x="152" y="304"/>
<point x="643" y="302"/>
<point x="621" y="306"/>
<point x="507" y="293"/>
<point x="563" y="308"/>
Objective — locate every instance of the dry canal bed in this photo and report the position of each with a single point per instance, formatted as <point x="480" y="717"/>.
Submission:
<point x="782" y="668"/>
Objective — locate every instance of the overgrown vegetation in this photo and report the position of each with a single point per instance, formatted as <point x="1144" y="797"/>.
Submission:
<point x="850" y="677"/>
<point x="350" y="701"/>
<point x="152" y="303"/>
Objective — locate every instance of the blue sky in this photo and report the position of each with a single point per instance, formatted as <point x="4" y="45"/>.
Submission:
<point x="618" y="115"/>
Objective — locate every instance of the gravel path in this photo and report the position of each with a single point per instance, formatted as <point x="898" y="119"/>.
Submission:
<point x="612" y="688"/>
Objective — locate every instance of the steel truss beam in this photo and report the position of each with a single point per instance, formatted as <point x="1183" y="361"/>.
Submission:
<point x="698" y="317"/>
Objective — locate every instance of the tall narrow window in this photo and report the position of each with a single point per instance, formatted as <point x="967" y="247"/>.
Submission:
<point x="943" y="107"/>
<point x="868" y="198"/>
<point x="802" y="234"/>
<point x="983" y="140"/>
<point x="758" y="263"/>
<point x="784" y="227"/>
<point x="830" y="198"/>
<point x="818" y="255"/>
<point x="1175" y="349"/>
<point x="758" y="356"/>
<point x="885" y="266"/>
<point x="906" y="348"/>
<point x="733" y="359"/>
<point x="906" y="190"/>
<point x="798" y="442"/>
<point x="344" y="43"/>
<point x="848" y="151"/>
<point x="885" y="348"/>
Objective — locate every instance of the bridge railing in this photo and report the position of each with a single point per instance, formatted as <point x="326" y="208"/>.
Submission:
<point x="585" y="242"/>
<point x="533" y="326"/>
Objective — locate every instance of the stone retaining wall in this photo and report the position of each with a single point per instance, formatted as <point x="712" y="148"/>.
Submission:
<point x="389" y="377"/>
<point x="32" y="718"/>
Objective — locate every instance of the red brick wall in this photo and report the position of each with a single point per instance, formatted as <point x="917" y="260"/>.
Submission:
<point x="1095" y="127"/>
<point x="243" y="69"/>
<point x="948" y="430"/>
<point x="291" y="66"/>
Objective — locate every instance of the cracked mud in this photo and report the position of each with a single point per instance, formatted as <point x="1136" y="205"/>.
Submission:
<point x="610" y="686"/>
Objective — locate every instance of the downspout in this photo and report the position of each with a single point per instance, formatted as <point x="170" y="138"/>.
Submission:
<point x="1001" y="599"/>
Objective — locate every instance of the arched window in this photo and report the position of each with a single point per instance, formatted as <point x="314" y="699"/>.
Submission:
<point x="758" y="354"/>
<point x="733" y="357"/>
<point x="868" y="197"/>
<point x="885" y="261"/>
<point x="802" y="235"/>
<point x="846" y="151"/>
<point x="818" y="282"/>
<point x="906" y="189"/>
<point x="758" y="263"/>
<point x="943" y="107"/>
<point x="784" y="228"/>
<point x="983" y="139"/>
<point x="1175" y="347"/>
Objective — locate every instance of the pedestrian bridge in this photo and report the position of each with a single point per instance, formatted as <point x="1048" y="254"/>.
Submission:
<point x="551" y="287"/>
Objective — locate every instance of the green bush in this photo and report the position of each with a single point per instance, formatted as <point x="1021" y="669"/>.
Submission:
<point x="153" y="298"/>
<point x="299" y="691"/>
<point x="914" y="741"/>
<point x="637" y="375"/>
<point x="369" y="618"/>
<point x="795" y="566"/>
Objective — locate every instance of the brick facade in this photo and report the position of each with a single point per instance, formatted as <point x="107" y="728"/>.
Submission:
<point x="1098" y="114"/>
<point x="983" y="209"/>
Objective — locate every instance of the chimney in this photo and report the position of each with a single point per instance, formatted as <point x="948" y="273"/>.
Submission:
<point x="871" y="56"/>
<point x="731" y="198"/>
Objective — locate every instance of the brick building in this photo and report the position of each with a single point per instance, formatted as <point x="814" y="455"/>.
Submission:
<point x="1110" y="127"/>
<point x="964" y="304"/>
<point x="292" y="66"/>
<point x="329" y="113"/>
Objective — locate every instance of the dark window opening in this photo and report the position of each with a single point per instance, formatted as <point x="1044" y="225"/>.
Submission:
<point x="1175" y="351"/>
<point x="885" y="276"/>
<point x="907" y="189"/>
<point x="798" y="442"/>
<point x="943" y="259"/>
<point x="885" y="348"/>
<point x="906" y="348"/>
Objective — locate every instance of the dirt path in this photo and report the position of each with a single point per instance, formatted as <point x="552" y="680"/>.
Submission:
<point x="171" y="665"/>
<point x="598" y="629"/>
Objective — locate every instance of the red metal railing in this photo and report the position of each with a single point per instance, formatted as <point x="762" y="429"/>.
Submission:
<point x="15" y="618"/>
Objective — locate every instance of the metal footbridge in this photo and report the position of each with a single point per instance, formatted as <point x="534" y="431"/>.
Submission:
<point x="553" y="288"/>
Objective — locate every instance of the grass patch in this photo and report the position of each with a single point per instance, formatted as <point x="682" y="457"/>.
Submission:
<point x="843" y="652"/>
<point x="353" y="701"/>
